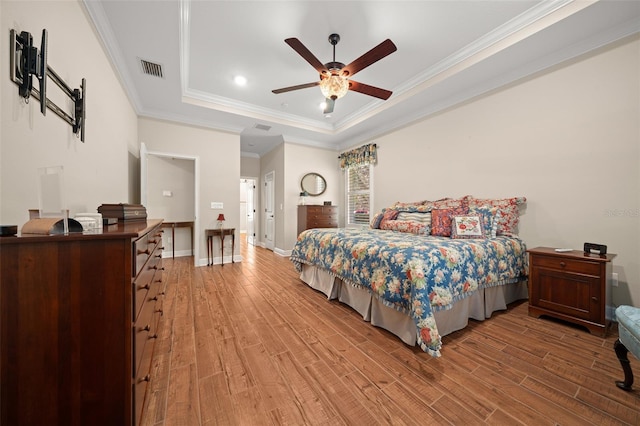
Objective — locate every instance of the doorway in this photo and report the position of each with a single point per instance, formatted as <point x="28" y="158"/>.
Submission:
<point x="248" y="209"/>
<point x="168" y="189"/>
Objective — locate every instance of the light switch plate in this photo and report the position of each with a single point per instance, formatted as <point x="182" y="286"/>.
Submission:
<point x="217" y="205"/>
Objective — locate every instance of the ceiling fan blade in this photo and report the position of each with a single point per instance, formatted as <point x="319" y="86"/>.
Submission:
<point x="380" y="51"/>
<point x="306" y="54"/>
<point x="299" y="86"/>
<point x="329" y="104"/>
<point x="369" y="90"/>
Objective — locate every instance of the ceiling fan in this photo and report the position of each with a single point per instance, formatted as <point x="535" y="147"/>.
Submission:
<point x="335" y="76"/>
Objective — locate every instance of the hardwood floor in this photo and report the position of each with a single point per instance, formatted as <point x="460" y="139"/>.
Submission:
<point x="250" y="344"/>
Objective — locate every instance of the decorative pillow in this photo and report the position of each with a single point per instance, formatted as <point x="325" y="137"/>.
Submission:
<point x="388" y="215"/>
<point x="441" y="220"/>
<point x="510" y="213"/>
<point x="419" y="217"/>
<point x="375" y="222"/>
<point x="406" y="226"/>
<point x="449" y="203"/>
<point x="402" y="206"/>
<point x="490" y="219"/>
<point x="467" y="226"/>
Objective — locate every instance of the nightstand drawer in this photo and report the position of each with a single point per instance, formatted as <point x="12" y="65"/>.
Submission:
<point x="567" y="265"/>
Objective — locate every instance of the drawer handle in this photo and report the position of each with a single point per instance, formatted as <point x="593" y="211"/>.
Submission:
<point x="154" y="298"/>
<point x="595" y="299"/>
<point x="562" y="264"/>
<point x="153" y="241"/>
<point x="145" y="378"/>
<point x="161" y="248"/>
<point x="153" y="336"/>
<point x="143" y="251"/>
<point x="146" y="328"/>
<point x="156" y="267"/>
<point x="158" y="255"/>
<point x="144" y="287"/>
<point x="160" y="311"/>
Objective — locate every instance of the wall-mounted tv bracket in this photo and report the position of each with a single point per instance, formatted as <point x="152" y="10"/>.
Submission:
<point x="27" y="62"/>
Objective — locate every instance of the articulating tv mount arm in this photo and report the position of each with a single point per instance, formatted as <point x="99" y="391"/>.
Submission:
<point x="26" y="62"/>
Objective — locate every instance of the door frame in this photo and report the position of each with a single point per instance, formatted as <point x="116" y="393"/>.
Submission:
<point x="271" y="196"/>
<point x="144" y="153"/>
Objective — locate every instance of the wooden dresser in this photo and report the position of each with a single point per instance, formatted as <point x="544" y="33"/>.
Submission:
<point x="78" y="317"/>
<point x="571" y="286"/>
<point x="317" y="217"/>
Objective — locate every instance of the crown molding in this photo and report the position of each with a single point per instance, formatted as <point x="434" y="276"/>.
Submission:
<point x="109" y="44"/>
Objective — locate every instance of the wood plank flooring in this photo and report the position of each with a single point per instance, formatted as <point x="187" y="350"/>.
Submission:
<point x="250" y="344"/>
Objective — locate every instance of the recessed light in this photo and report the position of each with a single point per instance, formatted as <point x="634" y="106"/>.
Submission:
<point x="240" y="80"/>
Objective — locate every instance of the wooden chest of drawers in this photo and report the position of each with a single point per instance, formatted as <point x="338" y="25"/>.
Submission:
<point x="570" y="286"/>
<point x="317" y="217"/>
<point x="78" y="315"/>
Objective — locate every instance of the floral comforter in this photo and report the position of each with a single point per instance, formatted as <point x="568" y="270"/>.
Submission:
<point x="415" y="274"/>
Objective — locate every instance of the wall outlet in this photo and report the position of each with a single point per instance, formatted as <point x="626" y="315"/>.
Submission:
<point x="614" y="279"/>
<point x="217" y="205"/>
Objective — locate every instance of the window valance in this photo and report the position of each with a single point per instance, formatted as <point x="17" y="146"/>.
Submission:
<point x="366" y="154"/>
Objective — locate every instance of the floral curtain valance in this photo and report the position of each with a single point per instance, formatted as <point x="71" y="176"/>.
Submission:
<point x="366" y="154"/>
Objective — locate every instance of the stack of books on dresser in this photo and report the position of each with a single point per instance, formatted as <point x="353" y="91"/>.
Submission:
<point x="124" y="212"/>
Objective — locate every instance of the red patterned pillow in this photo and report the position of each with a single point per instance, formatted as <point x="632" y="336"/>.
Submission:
<point x="441" y="220"/>
<point x="388" y="215"/>
<point x="509" y="212"/>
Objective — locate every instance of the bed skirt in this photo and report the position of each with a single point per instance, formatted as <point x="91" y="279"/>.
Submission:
<point x="478" y="306"/>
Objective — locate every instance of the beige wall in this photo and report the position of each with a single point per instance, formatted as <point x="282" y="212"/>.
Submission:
<point x="250" y="166"/>
<point x="567" y="139"/>
<point x="300" y="160"/>
<point x="96" y="171"/>
<point x="218" y="156"/>
<point x="273" y="161"/>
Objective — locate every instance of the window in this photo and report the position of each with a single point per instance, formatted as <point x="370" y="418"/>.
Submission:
<point x="359" y="182"/>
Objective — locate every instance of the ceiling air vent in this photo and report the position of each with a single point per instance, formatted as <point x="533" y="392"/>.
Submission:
<point x="262" y="127"/>
<point x="152" y="69"/>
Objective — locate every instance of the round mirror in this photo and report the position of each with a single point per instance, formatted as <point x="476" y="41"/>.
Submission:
<point x="313" y="184"/>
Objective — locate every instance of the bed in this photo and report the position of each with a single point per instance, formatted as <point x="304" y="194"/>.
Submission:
<point x="418" y="286"/>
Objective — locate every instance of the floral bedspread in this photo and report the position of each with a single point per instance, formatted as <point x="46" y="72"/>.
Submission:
<point x="415" y="274"/>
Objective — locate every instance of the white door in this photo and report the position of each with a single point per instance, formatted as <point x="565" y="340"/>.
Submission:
<point x="251" y="211"/>
<point x="269" y="210"/>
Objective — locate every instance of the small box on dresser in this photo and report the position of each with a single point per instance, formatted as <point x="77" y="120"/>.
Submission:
<point x="571" y="286"/>
<point x="317" y="216"/>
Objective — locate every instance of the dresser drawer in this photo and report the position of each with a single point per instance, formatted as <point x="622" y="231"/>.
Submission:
<point x="141" y="287"/>
<point x="141" y="253"/>
<point x="567" y="265"/>
<point x="321" y="223"/>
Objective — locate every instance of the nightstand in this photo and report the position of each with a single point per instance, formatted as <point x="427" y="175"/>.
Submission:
<point x="571" y="286"/>
<point x="220" y="232"/>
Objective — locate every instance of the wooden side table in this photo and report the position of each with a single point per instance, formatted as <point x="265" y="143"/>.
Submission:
<point x="571" y="286"/>
<point x="173" y="226"/>
<point x="220" y="232"/>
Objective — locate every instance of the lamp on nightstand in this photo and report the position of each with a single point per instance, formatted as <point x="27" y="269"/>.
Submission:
<point x="220" y="220"/>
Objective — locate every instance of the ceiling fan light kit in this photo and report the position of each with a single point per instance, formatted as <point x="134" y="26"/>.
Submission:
<point x="334" y="87"/>
<point x="334" y="76"/>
